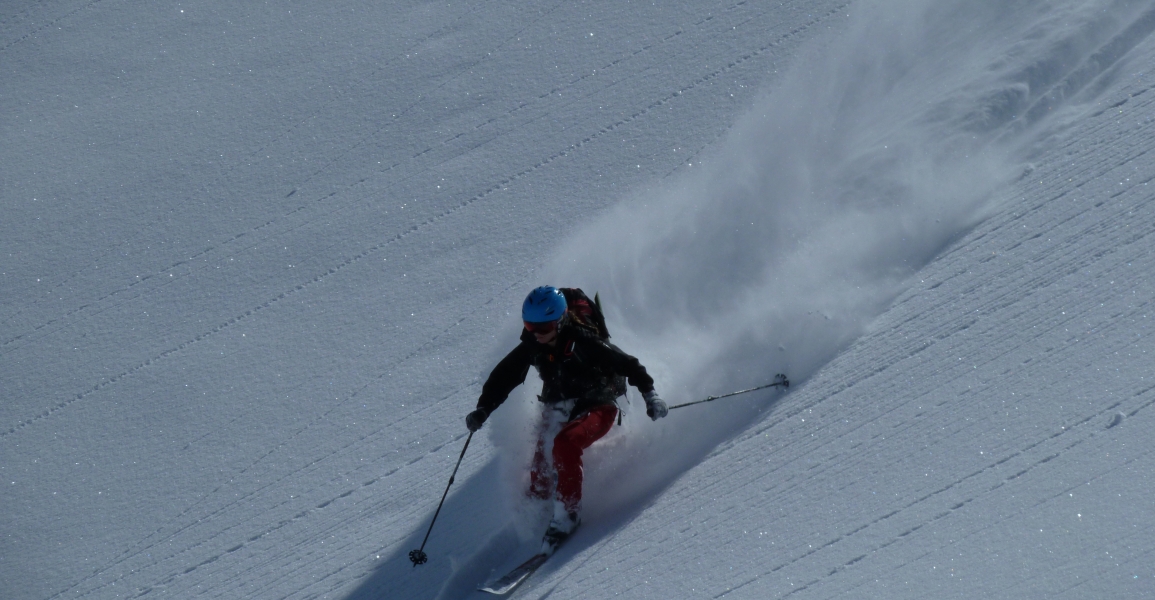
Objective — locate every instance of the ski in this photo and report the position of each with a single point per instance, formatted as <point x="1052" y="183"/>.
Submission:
<point x="515" y="577"/>
<point x="520" y="573"/>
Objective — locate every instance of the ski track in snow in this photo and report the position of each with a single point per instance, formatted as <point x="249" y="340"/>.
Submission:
<point x="207" y="253"/>
<point x="245" y="537"/>
<point x="139" y="288"/>
<point x="343" y="204"/>
<point x="34" y="28"/>
<point x="167" y="533"/>
<point x="106" y="302"/>
<point x="454" y="152"/>
<point x="1093" y="193"/>
<point x="1109" y="222"/>
<point x="157" y="276"/>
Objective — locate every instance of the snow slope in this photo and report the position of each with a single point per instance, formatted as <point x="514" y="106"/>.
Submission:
<point x="257" y="260"/>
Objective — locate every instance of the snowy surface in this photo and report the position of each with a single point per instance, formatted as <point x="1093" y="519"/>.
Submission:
<point x="257" y="260"/>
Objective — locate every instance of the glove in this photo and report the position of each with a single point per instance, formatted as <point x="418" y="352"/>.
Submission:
<point x="655" y="407"/>
<point x="476" y="419"/>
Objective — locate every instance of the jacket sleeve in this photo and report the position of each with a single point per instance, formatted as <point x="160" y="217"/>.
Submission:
<point x="620" y="363"/>
<point x="508" y="374"/>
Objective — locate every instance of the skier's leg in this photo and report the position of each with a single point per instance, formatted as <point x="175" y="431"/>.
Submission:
<point x="575" y="437"/>
<point x="542" y="474"/>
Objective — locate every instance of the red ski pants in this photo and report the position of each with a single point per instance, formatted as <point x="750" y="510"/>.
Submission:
<point x="574" y="437"/>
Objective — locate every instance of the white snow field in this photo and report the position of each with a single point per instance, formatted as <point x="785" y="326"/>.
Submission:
<point x="258" y="258"/>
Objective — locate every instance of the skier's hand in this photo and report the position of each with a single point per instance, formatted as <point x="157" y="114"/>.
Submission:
<point x="476" y="419"/>
<point x="655" y="407"/>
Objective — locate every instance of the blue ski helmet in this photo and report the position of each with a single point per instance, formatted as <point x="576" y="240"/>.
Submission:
<point x="543" y="305"/>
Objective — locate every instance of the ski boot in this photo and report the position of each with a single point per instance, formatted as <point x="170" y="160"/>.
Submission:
<point x="563" y="524"/>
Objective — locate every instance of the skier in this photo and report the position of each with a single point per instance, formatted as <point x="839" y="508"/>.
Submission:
<point x="582" y="377"/>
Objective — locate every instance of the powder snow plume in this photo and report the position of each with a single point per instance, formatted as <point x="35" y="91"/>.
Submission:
<point x="883" y="143"/>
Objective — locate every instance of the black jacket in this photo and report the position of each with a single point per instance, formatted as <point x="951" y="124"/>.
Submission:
<point x="582" y="366"/>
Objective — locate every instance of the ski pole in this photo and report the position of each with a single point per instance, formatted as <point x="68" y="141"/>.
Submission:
<point x="418" y="556"/>
<point x="779" y="380"/>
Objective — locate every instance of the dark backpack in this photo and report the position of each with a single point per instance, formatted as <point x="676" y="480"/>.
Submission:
<point x="587" y="314"/>
<point x="584" y="312"/>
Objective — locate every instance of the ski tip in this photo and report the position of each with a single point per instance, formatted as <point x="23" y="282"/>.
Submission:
<point x="514" y="578"/>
